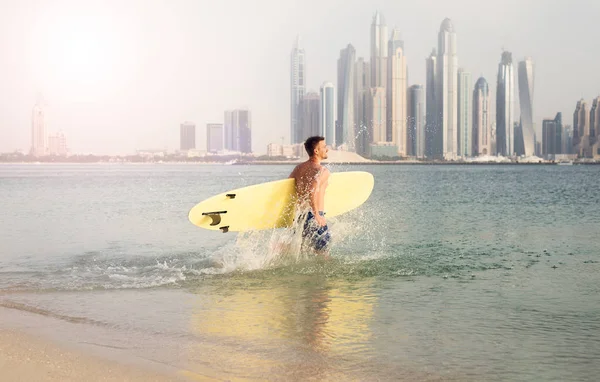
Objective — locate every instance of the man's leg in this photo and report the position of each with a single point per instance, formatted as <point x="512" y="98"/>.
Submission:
<point x="321" y="241"/>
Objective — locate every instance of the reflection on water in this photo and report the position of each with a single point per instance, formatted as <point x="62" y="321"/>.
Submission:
<point x="301" y="324"/>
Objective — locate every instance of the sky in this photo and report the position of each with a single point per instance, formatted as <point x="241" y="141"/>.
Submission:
<point x="121" y="75"/>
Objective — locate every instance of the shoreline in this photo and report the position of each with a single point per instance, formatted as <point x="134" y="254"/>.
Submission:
<point x="32" y="349"/>
<point x="295" y="162"/>
<point x="27" y="357"/>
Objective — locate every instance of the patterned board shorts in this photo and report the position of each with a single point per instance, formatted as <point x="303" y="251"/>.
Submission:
<point x="318" y="236"/>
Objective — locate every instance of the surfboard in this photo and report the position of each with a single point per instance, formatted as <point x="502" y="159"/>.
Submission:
<point x="270" y="205"/>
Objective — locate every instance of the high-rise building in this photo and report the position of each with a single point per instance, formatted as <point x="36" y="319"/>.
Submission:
<point x="482" y="144"/>
<point x="230" y="136"/>
<point x="298" y="89"/>
<point x="379" y="51"/>
<point x="376" y="114"/>
<point x="57" y="144"/>
<point x="345" y="134"/>
<point x="538" y="147"/>
<point x="567" y="140"/>
<point x="518" y="147"/>
<point x="581" y="130"/>
<point x="493" y="139"/>
<point x="397" y="93"/>
<point x="465" y="115"/>
<point x="526" y="88"/>
<point x="433" y="137"/>
<point x="595" y="127"/>
<point x="243" y="125"/>
<point x="446" y="90"/>
<point x="187" y="136"/>
<point x="552" y="136"/>
<point x="214" y="137"/>
<point x="416" y="122"/>
<point x="362" y="82"/>
<point x="504" y="106"/>
<point x="38" y="130"/>
<point x="309" y="116"/>
<point x="327" y="113"/>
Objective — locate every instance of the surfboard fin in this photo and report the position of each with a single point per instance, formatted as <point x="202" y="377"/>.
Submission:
<point x="230" y="196"/>
<point x="215" y="216"/>
<point x="224" y="228"/>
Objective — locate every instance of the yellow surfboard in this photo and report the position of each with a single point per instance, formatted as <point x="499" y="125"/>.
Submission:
<point x="271" y="205"/>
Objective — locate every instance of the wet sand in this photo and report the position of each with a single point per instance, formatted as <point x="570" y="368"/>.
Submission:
<point x="24" y="357"/>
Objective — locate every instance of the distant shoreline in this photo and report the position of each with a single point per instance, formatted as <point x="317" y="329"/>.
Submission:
<point x="259" y="163"/>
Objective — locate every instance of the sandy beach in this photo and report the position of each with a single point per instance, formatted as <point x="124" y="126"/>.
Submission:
<point x="24" y="357"/>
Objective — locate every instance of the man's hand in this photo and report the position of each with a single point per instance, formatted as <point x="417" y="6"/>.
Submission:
<point x="320" y="220"/>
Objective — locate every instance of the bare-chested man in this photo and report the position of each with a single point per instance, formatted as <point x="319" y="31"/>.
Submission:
<point x="311" y="183"/>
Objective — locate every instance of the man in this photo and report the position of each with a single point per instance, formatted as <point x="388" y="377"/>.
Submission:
<point x="311" y="183"/>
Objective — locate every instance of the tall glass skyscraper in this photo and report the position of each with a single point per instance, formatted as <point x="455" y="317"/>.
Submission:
<point x="482" y="123"/>
<point x="396" y="94"/>
<point x="433" y="137"/>
<point x="344" y="134"/>
<point x="447" y="89"/>
<point x="526" y="87"/>
<point x="465" y="115"/>
<point x="297" y="88"/>
<point x="505" y="106"/>
<point x="327" y="113"/>
<point x="416" y="122"/>
<point x="379" y="51"/>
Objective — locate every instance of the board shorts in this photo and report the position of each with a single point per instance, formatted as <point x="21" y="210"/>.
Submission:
<point x="318" y="236"/>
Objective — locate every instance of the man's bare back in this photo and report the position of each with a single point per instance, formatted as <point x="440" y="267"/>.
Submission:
<point x="311" y="182"/>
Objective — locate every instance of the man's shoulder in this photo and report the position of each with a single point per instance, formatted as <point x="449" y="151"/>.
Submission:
<point x="323" y="171"/>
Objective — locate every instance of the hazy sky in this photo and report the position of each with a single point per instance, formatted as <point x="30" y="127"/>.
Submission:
<point x="122" y="75"/>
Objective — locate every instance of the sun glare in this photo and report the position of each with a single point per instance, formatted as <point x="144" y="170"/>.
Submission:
<point x="80" y="52"/>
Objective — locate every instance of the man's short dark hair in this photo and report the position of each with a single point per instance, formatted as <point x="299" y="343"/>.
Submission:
<point x="311" y="143"/>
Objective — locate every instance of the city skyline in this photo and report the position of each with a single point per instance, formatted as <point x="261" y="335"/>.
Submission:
<point x="130" y="108"/>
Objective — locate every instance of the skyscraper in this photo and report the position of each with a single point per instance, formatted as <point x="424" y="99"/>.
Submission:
<point x="465" y="115"/>
<point x="243" y="125"/>
<point x="526" y="87"/>
<point x="214" y="137"/>
<point x="187" y="136"/>
<point x="309" y="116"/>
<point x="379" y="51"/>
<point x="446" y="90"/>
<point x="494" y="135"/>
<point x="504" y="106"/>
<point x="362" y="75"/>
<point x="595" y="118"/>
<point x="595" y="127"/>
<point x="230" y="136"/>
<point x="377" y="114"/>
<point x="567" y="140"/>
<point x="38" y="129"/>
<point x="344" y="134"/>
<point x="416" y="122"/>
<point x="581" y="130"/>
<point x="396" y="94"/>
<point x="482" y="144"/>
<point x="518" y="148"/>
<point x="57" y="144"/>
<point x="298" y="88"/>
<point x="552" y="136"/>
<point x="327" y="113"/>
<point x="433" y="137"/>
